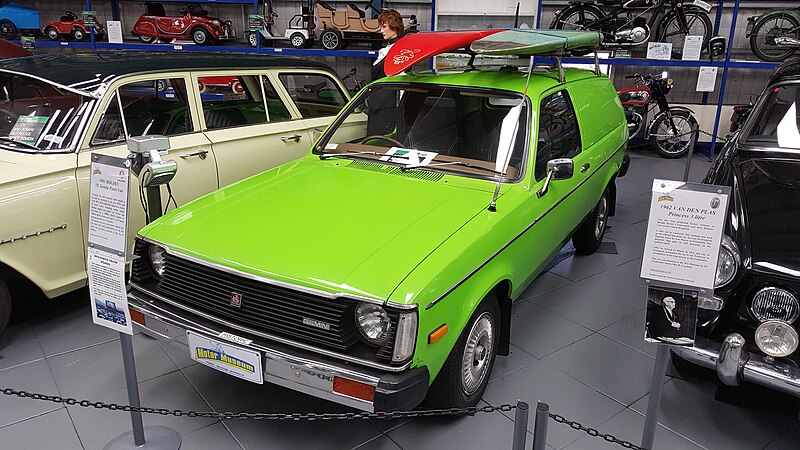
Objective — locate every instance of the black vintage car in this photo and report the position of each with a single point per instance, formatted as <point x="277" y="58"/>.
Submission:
<point x="748" y="330"/>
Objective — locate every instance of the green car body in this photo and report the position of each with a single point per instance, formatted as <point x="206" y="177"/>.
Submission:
<point x="422" y="241"/>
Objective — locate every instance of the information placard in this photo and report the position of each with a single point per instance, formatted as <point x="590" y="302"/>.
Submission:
<point x="684" y="231"/>
<point x="692" y="47"/>
<point x="706" y="79"/>
<point x="90" y="18"/>
<point x="107" y="290"/>
<point x="659" y="50"/>
<point x="114" y="28"/>
<point x="255" y="22"/>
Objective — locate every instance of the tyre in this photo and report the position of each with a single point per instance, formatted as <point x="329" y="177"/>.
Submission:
<point x="297" y="40"/>
<point x="698" y="25"/>
<point x="669" y="142"/>
<point x="331" y="39"/>
<point x="465" y="373"/>
<point x="78" y="34"/>
<point x="201" y="37"/>
<point x="589" y="235"/>
<point x="52" y="34"/>
<point x="769" y="27"/>
<point x="5" y="306"/>
<point x="147" y="39"/>
<point x="309" y="43"/>
<point x="575" y="18"/>
<point x="7" y="29"/>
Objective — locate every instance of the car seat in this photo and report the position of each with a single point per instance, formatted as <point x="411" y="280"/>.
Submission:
<point x="435" y="127"/>
<point x="224" y="118"/>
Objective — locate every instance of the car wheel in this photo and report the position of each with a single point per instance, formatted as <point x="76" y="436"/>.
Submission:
<point x="589" y="236"/>
<point x="78" y="34"/>
<point x="297" y="40"/>
<point x="252" y="39"/>
<point x="331" y="39"/>
<point x="7" y="29"/>
<point x="465" y="373"/>
<point x="5" y="306"/>
<point x="52" y="33"/>
<point x="147" y="39"/>
<point x="200" y="37"/>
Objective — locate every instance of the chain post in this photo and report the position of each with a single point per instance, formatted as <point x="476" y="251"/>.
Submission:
<point x="540" y="426"/>
<point x="520" y="426"/>
<point x="654" y="403"/>
<point x="692" y="139"/>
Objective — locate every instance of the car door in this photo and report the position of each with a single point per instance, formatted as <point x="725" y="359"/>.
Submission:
<point x="248" y="123"/>
<point x="150" y="105"/>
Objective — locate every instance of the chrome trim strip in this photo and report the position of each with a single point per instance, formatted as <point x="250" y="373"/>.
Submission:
<point x="63" y="226"/>
<point x="283" y="284"/>
<point x="447" y="292"/>
<point x="52" y="83"/>
<point x="347" y="358"/>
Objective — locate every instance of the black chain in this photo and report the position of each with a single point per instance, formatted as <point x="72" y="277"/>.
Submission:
<point x="594" y="433"/>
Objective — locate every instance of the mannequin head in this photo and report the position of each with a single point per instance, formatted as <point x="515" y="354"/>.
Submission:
<point x="391" y="24"/>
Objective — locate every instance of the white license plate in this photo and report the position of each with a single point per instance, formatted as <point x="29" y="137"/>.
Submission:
<point x="749" y="28"/>
<point x="225" y="357"/>
<point x="702" y="4"/>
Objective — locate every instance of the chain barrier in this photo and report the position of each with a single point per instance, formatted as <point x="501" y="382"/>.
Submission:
<point x="593" y="432"/>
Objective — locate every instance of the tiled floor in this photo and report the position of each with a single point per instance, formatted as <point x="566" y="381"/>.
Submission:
<point x="576" y="344"/>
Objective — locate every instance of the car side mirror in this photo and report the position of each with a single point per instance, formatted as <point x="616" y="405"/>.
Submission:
<point x="557" y="169"/>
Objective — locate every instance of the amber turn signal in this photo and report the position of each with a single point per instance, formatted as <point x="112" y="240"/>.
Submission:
<point x="136" y="316"/>
<point x="437" y="334"/>
<point x="354" y="389"/>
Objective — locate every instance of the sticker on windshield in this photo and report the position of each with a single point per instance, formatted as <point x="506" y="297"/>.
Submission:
<point x="408" y="156"/>
<point x="28" y="128"/>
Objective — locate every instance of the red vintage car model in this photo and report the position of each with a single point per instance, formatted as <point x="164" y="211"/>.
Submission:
<point x="194" y="23"/>
<point x="69" y="27"/>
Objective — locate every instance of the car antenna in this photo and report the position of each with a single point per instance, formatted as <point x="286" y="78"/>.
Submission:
<point x="516" y="111"/>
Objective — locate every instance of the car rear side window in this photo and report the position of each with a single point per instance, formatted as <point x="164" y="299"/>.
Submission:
<point x="155" y="107"/>
<point x="231" y="101"/>
<point x="777" y="123"/>
<point x="315" y="95"/>
<point x="276" y="109"/>
<point x="558" y="135"/>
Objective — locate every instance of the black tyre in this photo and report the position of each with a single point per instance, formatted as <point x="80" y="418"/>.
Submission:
<point x="672" y="142"/>
<point x="52" y="34"/>
<point x="575" y="18"/>
<point x="589" y="236"/>
<point x="309" y="43"/>
<point x="769" y="27"/>
<point x="297" y="40"/>
<point x="331" y="39"/>
<point x="465" y="373"/>
<point x="78" y="34"/>
<point x="201" y="37"/>
<point x="147" y="39"/>
<point x="7" y="29"/>
<point x="5" y="306"/>
<point x="669" y="30"/>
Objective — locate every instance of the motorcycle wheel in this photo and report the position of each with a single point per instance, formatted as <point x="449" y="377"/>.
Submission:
<point x="574" y="18"/>
<point x="766" y="29"/>
<point x="670" y="31"/>
<point x="669" y="144"/>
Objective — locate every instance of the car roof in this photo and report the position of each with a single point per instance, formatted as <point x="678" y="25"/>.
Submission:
<point x="789" y="70"/>
<point x="85" y="73"/>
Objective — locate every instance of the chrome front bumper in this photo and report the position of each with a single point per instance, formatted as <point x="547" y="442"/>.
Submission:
<point x="735" y="365"/>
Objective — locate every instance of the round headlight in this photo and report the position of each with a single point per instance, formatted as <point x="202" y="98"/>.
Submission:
<point x="216" y="22"/>
<point x="727" y="262"/>
<point x="373" y="322"/>
<point x="776" y="338"/>
<point x="774" y="303"/>
<point x="157" y="254"/>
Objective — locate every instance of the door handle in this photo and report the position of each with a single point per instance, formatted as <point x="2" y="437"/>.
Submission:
<point x="294" y="137"/>
<point x="585" y="167"/>
<point x="201" y="154"/>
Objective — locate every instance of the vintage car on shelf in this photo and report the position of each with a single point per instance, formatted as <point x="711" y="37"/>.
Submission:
<point x="17" y="19"/>
<point x="194" y="23"/>
<point x="381" y="268"/>
<point x="748" y="331"/>
<point x="56" y="110"/>
<point x="70" y="27"/>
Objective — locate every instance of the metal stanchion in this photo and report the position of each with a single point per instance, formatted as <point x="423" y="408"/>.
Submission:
<point x="520" y="426"/>
<point x="654" y="404"/>
<point x="540" y="426"/>
<point x="692" y="141"/>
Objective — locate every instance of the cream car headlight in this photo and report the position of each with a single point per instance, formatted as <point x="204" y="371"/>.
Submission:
<point x="727" y="263"/>
<point x="157" y="256"/>
<point x="771" y="303"/>
<point x="373" y="322"/>
<point x="776" y="338"/>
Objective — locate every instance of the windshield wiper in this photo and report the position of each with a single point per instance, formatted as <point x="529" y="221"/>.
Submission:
<point x="451" y="163"/>
<point x="25" y="144"/>
<point x="331" y="155"/>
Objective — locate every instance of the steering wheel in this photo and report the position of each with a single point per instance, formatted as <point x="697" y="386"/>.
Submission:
<point x="384" y="138"/>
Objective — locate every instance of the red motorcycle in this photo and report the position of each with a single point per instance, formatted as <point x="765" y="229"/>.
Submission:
<point x="670" y="129"/>
<point x="194" y="23"/>
<point x="69" y="27"/>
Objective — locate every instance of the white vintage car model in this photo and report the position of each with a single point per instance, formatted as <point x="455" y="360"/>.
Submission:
<point x="227" y="116"/>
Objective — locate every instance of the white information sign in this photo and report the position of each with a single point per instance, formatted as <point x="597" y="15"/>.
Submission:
<point x="683" y="233"/>
<point x="692" y="47"/>
<point x="114" y="28"/>
<point x="408" y="156"/>
<point x="107" y="290"/>
<point x="108" y="204"/>
<point x="225" y="357"/>
<point x="659" y="50"/>
<point x="706" y="79"/>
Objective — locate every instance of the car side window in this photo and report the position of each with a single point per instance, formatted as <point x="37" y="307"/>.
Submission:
<point x="231" y="101"/>
<point x="156" y="107"/>
<point x="276" y="109"/>
<point x="558" y="135"/>
<point x="315" y="95"/>
<point x="109" y="128"/>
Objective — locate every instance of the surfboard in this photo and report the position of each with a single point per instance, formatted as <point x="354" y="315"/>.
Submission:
<point x="417" y="47"/>
<point x="536" y="42"/>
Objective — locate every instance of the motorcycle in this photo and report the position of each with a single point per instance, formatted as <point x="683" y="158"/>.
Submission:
<point x="670" y="129"/>
<point x="774" y="36"/>
<point x="358" y="82"/>
<point x="622" y="22"/>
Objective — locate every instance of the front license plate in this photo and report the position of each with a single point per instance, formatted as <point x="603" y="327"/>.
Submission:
<point x="702" y="4"/>
<point x="227" y="358"/>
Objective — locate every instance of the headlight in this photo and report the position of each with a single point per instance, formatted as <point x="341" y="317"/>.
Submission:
<point x="216" y="22"/>
<point x="727" y="262"/>
<point x="373" y="322"/>
<point x="228" y="23"/>
<point x="157" y="254"/>
<point x="776" y="338"/>
<point x="772" y="303"/>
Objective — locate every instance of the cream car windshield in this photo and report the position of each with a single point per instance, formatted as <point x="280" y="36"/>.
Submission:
<point x="473" y="132"/>
<point x="36" y="116"/>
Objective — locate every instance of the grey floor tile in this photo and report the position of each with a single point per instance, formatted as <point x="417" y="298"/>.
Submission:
<point x="565" y="395"/>
<point x="98" y="369"/>
<point x="96" y="427"/>
<point x="226" y="393"/>
<point x="381" y="443"/>
<point x="213" y="437"/>
<point x="540" y="332"/>
<point x="584" y="266"/>
<point x="51" y="430"/>
<point x="71" y="330"/>
<point x="630" y="331"/>
<point x="516" y="359"/>
<point x="32" y="377"/>
<point x="690" y="409"/>
<point x="179" y="354"/>
<point x="788" y="440"/>
<point x="629" y="234"/>
<point x="629" y="216"/>
<point x="545" y="282"/>
<point x="19" y="345"/>
<point x="313" y="435"/>
<point x="609" y="367"/>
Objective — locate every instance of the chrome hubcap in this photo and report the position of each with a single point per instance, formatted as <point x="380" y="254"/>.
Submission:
<point x="477" y="354"/>
<point x="297" y="42"/>
<point x="602" y="213"/>
<point x="331" y="40"/>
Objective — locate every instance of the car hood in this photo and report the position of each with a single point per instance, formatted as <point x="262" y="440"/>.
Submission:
<point x="772" y="197"/>
<point x="326" y="225"/>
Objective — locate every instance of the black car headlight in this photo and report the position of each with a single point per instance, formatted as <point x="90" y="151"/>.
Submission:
<point x="772" y="303"/>
<point x="727" y="262"/>
<point x="373" y="323"/>
<point x="157" y="255"/>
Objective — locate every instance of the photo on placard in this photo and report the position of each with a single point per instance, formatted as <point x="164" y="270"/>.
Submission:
<point x="671" y="316"/>
<point x="107" y="310"/>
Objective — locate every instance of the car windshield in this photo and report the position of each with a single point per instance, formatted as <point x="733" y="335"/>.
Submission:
<point x="36" y="116"/>
<point x="777" y="123"/>
<point x="462" y="130"/>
